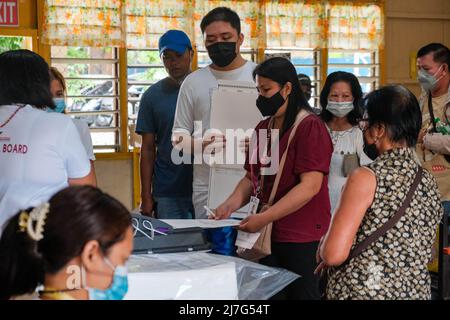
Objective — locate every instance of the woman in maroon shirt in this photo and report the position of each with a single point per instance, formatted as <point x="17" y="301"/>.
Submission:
<point x="301" y="208"/>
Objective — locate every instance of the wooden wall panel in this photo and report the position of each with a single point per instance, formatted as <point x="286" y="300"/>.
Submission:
<point x="115" y="177"/>
<point x="410" y="25"/>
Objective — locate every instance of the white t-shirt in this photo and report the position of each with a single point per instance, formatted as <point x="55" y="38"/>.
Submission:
<point x="85" y="135"/>
<point x="194" y="104"/>
<point x="39" y="152"/>
<point x="349" y="141"/>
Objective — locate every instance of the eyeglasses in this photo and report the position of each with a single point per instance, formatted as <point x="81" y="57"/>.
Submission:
<point x="363" y="124"/>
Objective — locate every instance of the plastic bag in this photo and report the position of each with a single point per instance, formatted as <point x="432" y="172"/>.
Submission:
<point x="222" y="240"/>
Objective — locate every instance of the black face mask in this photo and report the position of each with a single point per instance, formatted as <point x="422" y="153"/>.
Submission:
<point x="269" y="106"/>
<point x="370" y="150"/>
<point x="222" y="53"/>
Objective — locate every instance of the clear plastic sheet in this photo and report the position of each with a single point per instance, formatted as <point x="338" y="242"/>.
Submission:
<point x="188" y="274"/>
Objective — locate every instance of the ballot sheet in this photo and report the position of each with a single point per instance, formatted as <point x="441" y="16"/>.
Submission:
<point x="233" y="110"/>
<point x="201" y="223"/>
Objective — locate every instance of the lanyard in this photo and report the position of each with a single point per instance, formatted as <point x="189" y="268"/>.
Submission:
<point x="258" y="186"/>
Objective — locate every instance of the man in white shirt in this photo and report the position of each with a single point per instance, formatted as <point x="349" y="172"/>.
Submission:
<point x="223" y="38"/>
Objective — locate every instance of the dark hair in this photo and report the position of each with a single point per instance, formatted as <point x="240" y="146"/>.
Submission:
<point x="357" y="94"/>
<point x="302" y="76"/>
<point x="25" y="79"/>
<point x="440" y="53"/>
<point x="77" y="215"/>
<point x="398" y="109"/>
<point x="221" y="14"/>
<point x="281" y="70"/>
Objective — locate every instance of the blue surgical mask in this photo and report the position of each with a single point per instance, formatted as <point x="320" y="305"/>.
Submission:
<point x="340" y="109"/>
<point x="118" y="288"/>
<point x="428" y="81"/>
<point x="60" y="105"/>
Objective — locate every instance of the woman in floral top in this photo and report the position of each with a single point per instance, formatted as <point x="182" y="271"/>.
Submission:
<point x="395" y="265"/>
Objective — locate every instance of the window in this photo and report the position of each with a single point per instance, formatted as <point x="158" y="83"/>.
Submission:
<point x="15" y="42"/>
<point x="292" y="27"/>
<point x="143" y="70"/>
<point x="363" y="64"/>
<point x="92" y="90"/>
<point x="92" y="76"/>
<point x="306" y="61"/>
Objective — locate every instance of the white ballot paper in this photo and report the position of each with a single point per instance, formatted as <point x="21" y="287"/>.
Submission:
<point x="246" y="240"/>
<point x="202" y="223"/>
<point x="235" y="115"/>
<point x="222" y="183"/>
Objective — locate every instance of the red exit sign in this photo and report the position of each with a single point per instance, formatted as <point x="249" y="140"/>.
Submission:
<point x="9" y="13"/>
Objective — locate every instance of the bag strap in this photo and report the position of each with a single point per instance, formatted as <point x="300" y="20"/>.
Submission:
<point x="301" y="115"/>
<point x="430" y="110"/>
<point x="390" y="223"/>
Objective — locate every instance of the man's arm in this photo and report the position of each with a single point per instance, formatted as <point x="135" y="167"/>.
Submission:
<point x="437" y="142"/>
<point x="147" y="162"/>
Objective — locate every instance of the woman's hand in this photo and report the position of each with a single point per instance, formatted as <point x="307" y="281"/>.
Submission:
<point x="223" y="211"/>
<point x="254" y="223"/>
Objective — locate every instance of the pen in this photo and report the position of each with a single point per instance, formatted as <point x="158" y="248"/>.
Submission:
<point x="209" y="212"/>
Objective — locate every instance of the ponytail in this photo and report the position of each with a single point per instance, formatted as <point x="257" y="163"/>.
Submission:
<point x="21" y="264"/>
<point x="44" y="239"/>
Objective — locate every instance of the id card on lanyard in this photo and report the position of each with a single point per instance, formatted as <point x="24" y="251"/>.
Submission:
<point x="258" y="186"/>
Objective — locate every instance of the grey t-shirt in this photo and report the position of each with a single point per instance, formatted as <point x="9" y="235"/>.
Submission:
<point x="194" y="105"/>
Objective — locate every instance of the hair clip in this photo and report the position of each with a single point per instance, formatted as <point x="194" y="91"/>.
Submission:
<point x="34" y="221"/>
<point x="23" y="221"/>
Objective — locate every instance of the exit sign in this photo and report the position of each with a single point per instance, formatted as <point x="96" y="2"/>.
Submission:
<point x="9" y="13"/>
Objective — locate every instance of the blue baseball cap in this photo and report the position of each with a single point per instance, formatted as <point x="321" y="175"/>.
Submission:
<point x="175" y="40"/>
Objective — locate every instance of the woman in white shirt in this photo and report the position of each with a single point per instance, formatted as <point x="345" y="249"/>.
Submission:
<point x="40" y="153"/>
<point x="58" y="89"/>
<point x="340" y="98"/>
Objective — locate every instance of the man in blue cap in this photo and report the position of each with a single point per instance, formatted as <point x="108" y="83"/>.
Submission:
<point x="166" y="187"/>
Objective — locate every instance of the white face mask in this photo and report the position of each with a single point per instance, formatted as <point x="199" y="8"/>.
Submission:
<point x="340" y="109"/>
<point x="428" y="81"/>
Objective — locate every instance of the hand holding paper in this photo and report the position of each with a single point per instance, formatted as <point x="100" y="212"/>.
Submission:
<point x="253" y="223"/>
